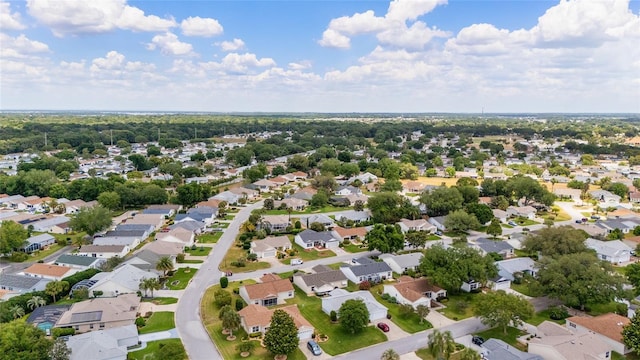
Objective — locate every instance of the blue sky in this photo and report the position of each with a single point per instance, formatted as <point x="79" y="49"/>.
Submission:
<point x="321" y="56"/>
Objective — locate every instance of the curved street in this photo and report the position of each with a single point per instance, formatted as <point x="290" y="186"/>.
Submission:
<point x="194" y="336"/>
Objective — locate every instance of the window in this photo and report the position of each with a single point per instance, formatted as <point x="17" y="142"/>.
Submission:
<point x="77" y="327"/>
<point x="572" y="325"/>
<point x="607" y="355"/>
<point x="255" y="329"/>
<point x="290" y="293"/>
<point x="90" y="326"/>
<point x="101" y="325"/>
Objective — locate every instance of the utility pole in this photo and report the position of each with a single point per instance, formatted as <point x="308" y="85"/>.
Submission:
<point x="45" y="139"/>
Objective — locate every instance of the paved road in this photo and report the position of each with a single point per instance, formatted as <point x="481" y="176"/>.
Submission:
<point x="12" y="268"/>
<point x="414" y="342"/>
<point x="188" y="323"/>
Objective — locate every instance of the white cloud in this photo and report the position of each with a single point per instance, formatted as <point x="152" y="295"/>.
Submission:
<point x="301" y="65"/>
<point x="169" y="44"/>
<point x="392" y="29"/>
<point x="8" y="20"/>
<point x="235" y="62"/>
<point x="20" y="46"/>
<point x="95" y="16"/>
<point x="197" y="26"/>
<point x="233" y="45"/>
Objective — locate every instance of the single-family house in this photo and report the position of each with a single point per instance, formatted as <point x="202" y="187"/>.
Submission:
<point x="304" y="194"/>
<point x="608" y="328"/>
<point x="38" y="242"/>
<point x="634" y="197"/>
<point x="568" y="193"/>
<point x="122" y="280"/>
<point x="265" y="185"/>
<point x="45" y="225"/>
<point x="407" y="225"/>
<point x="486" y="246"/>
<point x="496" y="349"/>
<point x="347" y="190"/>
<point x="177" y="235"/>
<point x="271" y="291"/>
<point x="169" y="209"/>
<point x="143" y="230"/>
<point x="257" y="318"/>
<point x="73" y="206"/>
<point x="553" y="341"/>
<point x="245" y="193"/>
<point x="615" y="251"/>
<point x="318" y="218"/>
<point x="147" y="260"/>
<point x="353" y="198"/>
<point x="527" y="212"/>
<point x="322" y="281"/>
<point x="414" y="292"/>
<point x="276" y="223"/>
<point x="355" y="216"/>
<point x="413" y="187"/>
<point x="352" y="234"/>
<point x="291" y="203"/>
<point x="400" y="264"/>
<point x="308" y="239"/>
<point x="367" y="270"/>
<point x="191" y="225"/>
<point x="103" y="251"/>
<point x="101" y="313"/>
<point x="269" y="246"/>
<point x="279" y="180"/>
<point x="470" y="285"/>
<point x="45" y="317"/>
<point x="438" y="222"/>
<point x="337" y="297"/>
<point x="626" y="225"/>
<point x="165" y="248"/>
<point x="22" y="284"/>
<point x="107" y="344"/>
<point x="227" y="196"/>
<point x="516" y="267"/>
<point x="606" y="198"/>
<point x="128" y="241"/>
<point x="78" y="262"/>
<point x="500" y="215"/>
<point x="49" y="271"/>
<point x="157" y="220"/>
<point x="364" y="178"/>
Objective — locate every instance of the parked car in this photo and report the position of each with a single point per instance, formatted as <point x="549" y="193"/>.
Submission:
<point x="297" y="262"/>
<point x="477" y="340"/>
<point x="384" y="327"/>
<point x="512" y="223"/>
<point x="578" y="221"/>
<point x="439" y="233"/>
<point x="595" y="217"/>
<point x="314" y="347"/>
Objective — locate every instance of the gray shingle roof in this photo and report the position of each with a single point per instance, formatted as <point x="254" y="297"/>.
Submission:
<point x="322" y="278"/>
<point x="373" y="268"/>
<point x="76" y="260"/>
<point x="18" y="281"/>
<point x="309" y="236"/>
<point x="493" y="246"/>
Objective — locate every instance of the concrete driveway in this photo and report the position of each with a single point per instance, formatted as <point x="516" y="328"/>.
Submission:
<point x="394" y="333"/>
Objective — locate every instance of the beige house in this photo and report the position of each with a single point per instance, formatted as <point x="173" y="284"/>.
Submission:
<point x="49" y="271"/>
<point x="101" y="313"/>
<point x="178" y="235"/>
<point x="322" y="281"/>
<point x="414" y="292"/>
<point x="269" y="246"/>
<point x="257" y="318"/>
<point x="553" y="341"/>
<point x="607" y="327"/>
<point x="156" y="220"/>
<point x="271" y="291"/>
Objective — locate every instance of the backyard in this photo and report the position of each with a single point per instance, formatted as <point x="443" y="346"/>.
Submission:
<point x="158" y="321"/>
<point x="180" y="278"/>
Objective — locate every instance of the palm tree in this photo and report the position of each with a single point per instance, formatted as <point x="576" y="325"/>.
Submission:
<point x="153" y="284"/>
<point x="469" y="354"/>
<point x="165" y="265"/>
<point x="35" y="302"/>
<point x="17" y="311"/>
<point x="56" y="287"/>
<point x="441" y="344"/>
<point x="144" y="286"/>
<point x="390" y="354"/>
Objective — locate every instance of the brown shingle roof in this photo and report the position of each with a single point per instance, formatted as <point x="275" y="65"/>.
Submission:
<point x="47" y="270"/>
<point x="413" y="289"/>
<point x="609" y="325"/>
<point x="360" y="232"/>
<point x="258" y="315"/>
<point x="270" y="288"/>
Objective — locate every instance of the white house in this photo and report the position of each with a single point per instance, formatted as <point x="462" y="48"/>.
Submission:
<point x="103" y="344"/>
<point x="615" y="251"/>
<point x="321" y="282"/>
<point x="123" y="280"/>
<point x="407" y="225"/>
<point x="527" y="212"/>
<point x="414" y="292"/>
<point x="370" y="270"/>
<point x="401" y="263"/>
<point x="338" y="296"/>
<point x="308" y="239"/>
<point x="103" y="251"/>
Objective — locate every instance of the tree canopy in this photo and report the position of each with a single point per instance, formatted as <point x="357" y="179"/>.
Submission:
<point x="12" y="236"/>
<point x="91" y="220"/>
<point x="442" y="200"/>
<point x="353" y="315"/>
<point x="460" y="220"/>
<point x="23" y="341"/>
<point x="450" y="267"/>
<point x="282" y="336"/>
<point x="556" y="241"/>
<point x="385" y="238"/>
<point x="501" y="309"/>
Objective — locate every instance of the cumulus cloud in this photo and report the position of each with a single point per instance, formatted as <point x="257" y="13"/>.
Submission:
<point x="197" y="26"/>
<point x="20" y="46"/>
<point x="9" y="20"/>
<point x="242" y="62"/>
<point x="301" y="65"/>
<point x="392" y="29"/>
<point x="169" y="44"/>
<point x="233" y="45"/>
<point x="96" y="16"/>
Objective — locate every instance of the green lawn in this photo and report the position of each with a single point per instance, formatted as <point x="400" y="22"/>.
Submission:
<point x="542" y="316"/>
<point x="525" y="289"/>
<point x="507" y="226"/>
<point x="335" y="266"/>
<point x="191" y="261"/>
<point x="629" y="356"/>
<point x="199" y="251"/>
<point x="72" y="237"/>
<point x="599" y="309"/>
<point x="433" y="237"/>
<point x="180" y="279"/>
<point x="158" y="321"/>
<point x="211" y="238"/>
<point x="459" y="306"/>
<point x="340" y="340"/>
<point x="525" y="222"/>
<point x="229" y="217"/>
<point x="234" y="254"/>
<point x="161" y="300"/>
<point x="153" y="350"/>
<point x="424" y="354"/>
<point x="311" y="254"/>
<point x="39" y="255"/>
<point x="510" y="337"/>
<point x="407" y="322"/>
<point x="353" y="248"/>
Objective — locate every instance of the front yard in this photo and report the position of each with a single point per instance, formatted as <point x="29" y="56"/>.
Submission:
<point x="161" y="300"/>
<point x="154" y="350"/>
<point x="180" y="278"/>
<point x="311" y="254"/>
<point x="199" y="251"/>
<point x="158" y="321"/>
<point x="407" y="322"/>
<point x="510" y="337"/>
<point x="459" y="306"/>
<point x="236" y="253"/>
<point x="210" y="238"/>
<point x="353" y="248"/>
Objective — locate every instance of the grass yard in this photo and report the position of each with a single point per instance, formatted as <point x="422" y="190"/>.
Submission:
<point x="340" y="340"/>
<point x="525" y="222"/>
<point x="228" y="217"/>
<point x="191" y="261"/>
<point x="525" y="289"/>
<point x="510" y="337"/>
<point x="335" y="266"/>
<point x="599" y="309"/>
<point x="433" y="237"/>
<point x="236" y="253"/>
<point x="180" y="278"/>
<point x="158" y="321"/>
<point x="424" y="354"/>
<point x="199" y="251"/>
<point x="211" y="238"/>
<point x="73" y="238"/>
<point x="353" y="248"/>
<point x="153" y="350"/>
<point x="41" y="254"/>
<point x="407" y="322"/>
<point x="542" y="316"/>
<point x="507" y="226"/>
<point x="459" y="306"/>
<point x="629" y="356"/>
<point x="210" y="310"/>
<point x="161" y="300"/>
<point x="311" y="254"/>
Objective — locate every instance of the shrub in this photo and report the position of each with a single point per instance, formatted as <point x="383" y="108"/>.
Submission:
<point x="18" y="256"/>
<point x="388" y="316"/>
<point x="365" y="285"/>
<point x="222" y="298"/>
<point x="57" y="332"/>
<point x="236" y="291"/>
<point x="255" y="335"/>
<point x="558" y="313"/>
<point x="246" y="346"/>
<point x="298" y="225"/>
<point x="292" y="252"/>
<point x="621" y="309"/>
<point x="334" y="316"/>
<point x="140" y="322"/>
<point x="97" y="293"/>
<point x="193" y="247"/>
<point x="239" y="304"/>
<point x="224" y="282"/>
<point x="346" y="242"/>
<point x="180" y="258"/>
<point x="246" y="245"/>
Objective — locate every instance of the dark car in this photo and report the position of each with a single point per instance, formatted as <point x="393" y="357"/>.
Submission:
<point x="578" y="221"/>
<point x="384" y="327"/>
<point x="477" y="340"/>
<point x="314" y="348"/>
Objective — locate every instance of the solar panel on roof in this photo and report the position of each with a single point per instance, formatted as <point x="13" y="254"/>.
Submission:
<point x="90" y="316"/>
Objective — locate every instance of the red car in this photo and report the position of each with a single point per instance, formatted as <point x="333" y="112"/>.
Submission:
<point x="384" y="327"/>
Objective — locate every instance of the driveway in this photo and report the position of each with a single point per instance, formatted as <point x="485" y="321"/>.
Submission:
<point x="438" y="320"/>
<point x="395" y="332"/>
<point x="544" y="302"/>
